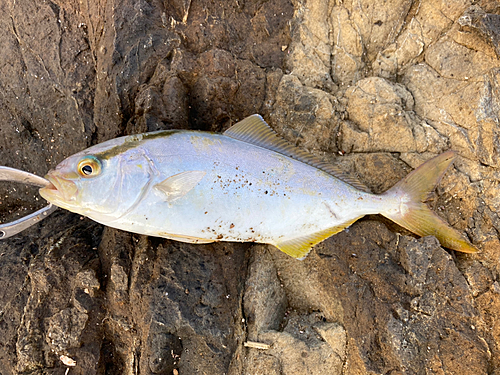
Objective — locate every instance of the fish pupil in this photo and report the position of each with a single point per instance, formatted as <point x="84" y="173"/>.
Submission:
<point x="87" y="170"/>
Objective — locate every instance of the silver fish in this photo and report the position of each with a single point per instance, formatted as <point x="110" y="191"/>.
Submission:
<point x="245" y="185"/>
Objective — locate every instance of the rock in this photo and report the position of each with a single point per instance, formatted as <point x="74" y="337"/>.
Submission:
<point x="304" y="114"/>
<point x="382" y="112"/>
<point x="307" y="347"/>
<point x="396" y="288"/>
<point x="423" y="28"/>
<point x="51" y="275"/>
<point x="310" y="49"/>
<point x="487" y="25"/>
<point x="376" y="88"/>
<point x="264" y="299"/>
<point x="65" y="329"/>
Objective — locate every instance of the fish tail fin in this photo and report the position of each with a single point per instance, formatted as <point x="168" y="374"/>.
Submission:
<point x="414" y="215"/>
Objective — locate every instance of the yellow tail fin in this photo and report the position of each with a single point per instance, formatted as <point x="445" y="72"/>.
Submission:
<point x="414" y="214"/>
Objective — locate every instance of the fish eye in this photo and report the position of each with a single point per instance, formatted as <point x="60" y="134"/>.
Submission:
<point x="89" y="166"/>
<point x="87" y="170"/>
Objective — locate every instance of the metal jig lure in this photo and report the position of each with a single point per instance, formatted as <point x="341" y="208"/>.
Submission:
<point x="15" y="175"/>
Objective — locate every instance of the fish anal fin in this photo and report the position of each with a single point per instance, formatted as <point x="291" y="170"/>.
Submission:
<point x="256" y="131"/>
<point x="300" y="247"/>
<point x="176" y="186"/>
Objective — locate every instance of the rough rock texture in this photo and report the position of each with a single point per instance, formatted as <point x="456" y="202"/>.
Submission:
<point x="375" y="87"/>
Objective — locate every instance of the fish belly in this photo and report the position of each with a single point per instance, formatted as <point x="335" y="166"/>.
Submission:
<point x="247" y="194"/>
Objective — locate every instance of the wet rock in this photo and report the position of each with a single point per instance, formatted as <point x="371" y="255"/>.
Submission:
<point x="397" y="287"/>
<point x="177" y="308"/>
<point x="65" y="329"/>
<point x="376" y="88"/>
<point x="303" y="114"/>
<point x="49" y="323"/>
<point x="165" y="350"/>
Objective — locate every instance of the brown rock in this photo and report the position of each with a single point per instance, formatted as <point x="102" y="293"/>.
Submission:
<point x="376" y="87"/>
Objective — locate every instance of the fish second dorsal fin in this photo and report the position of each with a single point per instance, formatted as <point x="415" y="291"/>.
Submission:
<point x="256" y="131"/>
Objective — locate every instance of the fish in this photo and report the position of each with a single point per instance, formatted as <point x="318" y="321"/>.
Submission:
<point x="247" y="184"/>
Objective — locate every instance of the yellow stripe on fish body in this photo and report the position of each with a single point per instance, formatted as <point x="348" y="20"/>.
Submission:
<point x="247" y="184"/>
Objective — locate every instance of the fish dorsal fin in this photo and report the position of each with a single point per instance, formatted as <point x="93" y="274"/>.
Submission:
<point x="176" y="186"/>
<point x="256" y="131"/>
<point x="301" y="246"/>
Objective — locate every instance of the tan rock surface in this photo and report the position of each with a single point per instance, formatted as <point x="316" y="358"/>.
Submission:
<point x="375" y="87"/>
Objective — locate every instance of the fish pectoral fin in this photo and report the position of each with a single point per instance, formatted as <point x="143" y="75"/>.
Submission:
<point x="178" y="185"/>
<point x="301" y="246"/>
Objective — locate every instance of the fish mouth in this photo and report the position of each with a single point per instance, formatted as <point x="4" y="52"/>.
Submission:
<point x="60" y="191"/>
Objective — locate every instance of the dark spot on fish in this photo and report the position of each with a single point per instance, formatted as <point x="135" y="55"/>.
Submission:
<point x="206" y="212"/>
<point x="330" y="210"/>
<point x="220" y="237"/>
<point x="231" y="226"/>
<point x="378" y="23"/>
<point x="265" y="192"/>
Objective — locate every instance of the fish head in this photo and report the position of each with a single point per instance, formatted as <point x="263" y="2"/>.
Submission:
<point x="101" y="182"/>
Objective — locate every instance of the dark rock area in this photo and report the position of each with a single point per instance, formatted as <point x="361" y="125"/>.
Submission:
<point x="375" y="87"/>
